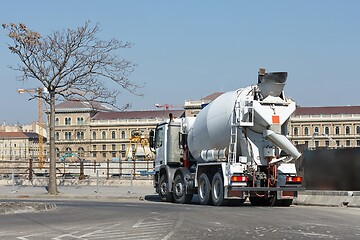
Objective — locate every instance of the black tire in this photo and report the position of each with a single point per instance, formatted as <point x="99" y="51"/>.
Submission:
<point x="217" y="190"/>
<point x="204" y="189"/>
<point x="274" y="202"/>
<point x="164" y="193"/>
<point x="179" y="190"/>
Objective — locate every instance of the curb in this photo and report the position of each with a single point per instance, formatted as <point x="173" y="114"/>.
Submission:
<point x="328" y="198"/>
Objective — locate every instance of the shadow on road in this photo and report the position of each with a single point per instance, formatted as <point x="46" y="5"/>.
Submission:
<point x="195" y="201"/>
<point x="153" y="198"/>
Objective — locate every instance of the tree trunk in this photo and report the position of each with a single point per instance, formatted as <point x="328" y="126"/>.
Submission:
<point x="52" y="171"/>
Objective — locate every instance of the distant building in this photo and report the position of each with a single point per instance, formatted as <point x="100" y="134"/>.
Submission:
<point x="32" y="127"/>
<point x="337" y="126"/>
<point x="19" y="145"/>
<point x="94" y="131"/>
<point x="98" y="133"/>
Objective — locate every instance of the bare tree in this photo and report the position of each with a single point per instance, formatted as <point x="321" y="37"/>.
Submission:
<point x="70" y="64"/>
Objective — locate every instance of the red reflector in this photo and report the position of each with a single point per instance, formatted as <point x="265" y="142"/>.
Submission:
<point x="239" y="179"/>
<point x="294" y="179"/>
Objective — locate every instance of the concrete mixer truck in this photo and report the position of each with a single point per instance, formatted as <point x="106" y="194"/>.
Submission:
<point x="234" y="149"/>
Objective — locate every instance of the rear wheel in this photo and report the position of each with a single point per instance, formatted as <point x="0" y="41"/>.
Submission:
<point x="179" y="190"/>
<point x="217" y="190"/>
<point x="274" y="202"/>
<point x="164" y="193"/>
<point x="279" y="202"/>
<point x="204" y="189"/>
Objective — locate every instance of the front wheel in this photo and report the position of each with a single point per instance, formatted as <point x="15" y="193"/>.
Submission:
<point x="179" y="190"/>
<point x="217" y="190"/>
<point x="204" y="189"/>
<point x="164" y="193"/>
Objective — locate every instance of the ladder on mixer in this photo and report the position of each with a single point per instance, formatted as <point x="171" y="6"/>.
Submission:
<point x="233" y="135"/>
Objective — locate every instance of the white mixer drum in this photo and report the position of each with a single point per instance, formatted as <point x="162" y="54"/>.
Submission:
<point x="211" y="129"/>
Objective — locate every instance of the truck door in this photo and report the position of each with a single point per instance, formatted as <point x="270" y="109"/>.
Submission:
<point x="160" y="146"/>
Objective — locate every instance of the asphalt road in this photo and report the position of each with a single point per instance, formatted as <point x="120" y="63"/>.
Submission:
<point x="134" y="219"/>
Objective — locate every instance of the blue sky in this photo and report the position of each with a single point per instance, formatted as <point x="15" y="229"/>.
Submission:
<point x="188" y="49"/>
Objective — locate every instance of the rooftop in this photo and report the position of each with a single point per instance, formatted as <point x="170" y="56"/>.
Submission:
<point x="82" y="106"/>
<point x="137" y="114"/>
<point x="330" y="110"/>
<point x="21" y="135"/>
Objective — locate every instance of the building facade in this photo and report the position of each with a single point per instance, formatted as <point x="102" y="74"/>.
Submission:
<point x="98" y="133"/>
<point x="19" y="145"/>
<point x="93" y="131"/>
<point x="325" y="127"/>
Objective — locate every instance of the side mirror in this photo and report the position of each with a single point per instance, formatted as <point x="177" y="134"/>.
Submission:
<point x="151" y="139"/>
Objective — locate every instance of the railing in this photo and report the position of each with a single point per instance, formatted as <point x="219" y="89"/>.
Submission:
<point x="78" y="169"/>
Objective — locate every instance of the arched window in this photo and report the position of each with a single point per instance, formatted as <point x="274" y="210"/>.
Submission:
<point x="327" y="132"/>
<point x="103" y="134"/>
<point x="78" y="136"/>
<point x="123" y="135"/>
<point x="82" y="135"/>
<point x="57" y="121"/>
<point x="81" y="152"/>
<point x="94" y="135"/>
<point x="66" y="136"/>
<point x="306" y="131"/>
<point x="316" y="129"/>
<point x="68" y="121"/>
<point x="337" y="130"/>
<point x="68" y="150"/>
<point x="113" y="135"/>
<point x="357" y="129"/>
<point x="347" y="130"/>
<point x="296" y="131"/>
<point x="80" y="121"/>
<point x="57" y="136"/>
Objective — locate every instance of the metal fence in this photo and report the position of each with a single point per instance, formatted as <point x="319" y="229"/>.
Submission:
<point x="30" y="169"/>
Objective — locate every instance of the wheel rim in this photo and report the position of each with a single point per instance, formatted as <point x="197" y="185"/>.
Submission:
<point x="202" y="190"/>
<point x="216" y="189"/>
<point x="163" y="188"/>
<point x="179" y="188"/>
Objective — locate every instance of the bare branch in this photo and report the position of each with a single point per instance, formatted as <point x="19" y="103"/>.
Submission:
<point x="72" y="63"/>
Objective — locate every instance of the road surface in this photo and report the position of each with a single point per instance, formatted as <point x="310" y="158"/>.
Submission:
<point x="134" y="219"/>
